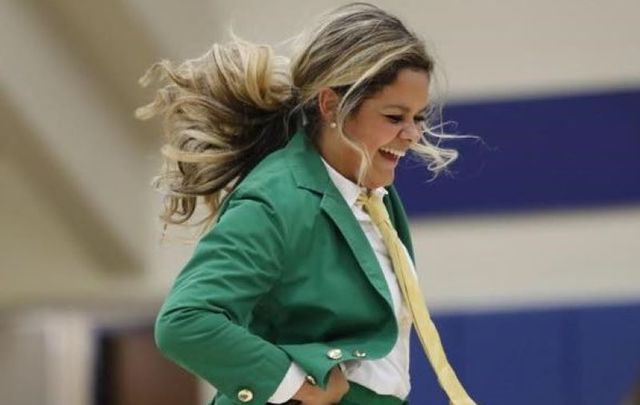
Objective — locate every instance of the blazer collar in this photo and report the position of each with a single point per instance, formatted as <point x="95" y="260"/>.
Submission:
<point x="306" y="165"/>
<point x="349" y="190"/>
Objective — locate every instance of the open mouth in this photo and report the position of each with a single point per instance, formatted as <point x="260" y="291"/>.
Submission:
<point x="391" y="154"/>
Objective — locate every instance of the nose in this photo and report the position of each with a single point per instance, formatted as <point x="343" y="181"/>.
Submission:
<point x="411" y="131"/>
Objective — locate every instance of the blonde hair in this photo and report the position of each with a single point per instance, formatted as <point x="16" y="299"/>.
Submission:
<point x="228" y="109"/>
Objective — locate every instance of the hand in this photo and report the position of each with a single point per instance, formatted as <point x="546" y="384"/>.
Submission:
<point x="337" y="387"/>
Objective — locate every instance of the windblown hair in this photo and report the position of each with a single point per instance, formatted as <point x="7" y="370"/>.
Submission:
<point x="228" y="109"/>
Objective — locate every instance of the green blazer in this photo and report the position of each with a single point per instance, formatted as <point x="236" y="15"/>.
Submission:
<point x="286" y="274"/>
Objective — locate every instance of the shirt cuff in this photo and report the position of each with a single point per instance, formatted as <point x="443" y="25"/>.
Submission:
<point x="289" y="385"/>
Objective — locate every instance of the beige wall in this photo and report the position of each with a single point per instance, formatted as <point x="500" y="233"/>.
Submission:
<point x="78" y="217"/>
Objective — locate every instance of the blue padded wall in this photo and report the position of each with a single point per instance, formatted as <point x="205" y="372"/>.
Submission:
<point x="555" y="152"/>
<point x="562" y="356"/>
<point x="552" y="152"/>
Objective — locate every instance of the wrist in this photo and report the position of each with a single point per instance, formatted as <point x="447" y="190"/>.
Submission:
<point x="305" y="392"/>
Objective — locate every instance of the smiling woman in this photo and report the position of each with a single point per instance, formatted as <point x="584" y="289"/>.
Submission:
<point x="384" y="127"/>
<point x="303" y="290"/>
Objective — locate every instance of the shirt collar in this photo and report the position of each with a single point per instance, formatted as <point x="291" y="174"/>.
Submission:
<point x="348" y="189"/>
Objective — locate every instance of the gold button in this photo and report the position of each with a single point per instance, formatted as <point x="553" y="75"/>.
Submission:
<point x="311" y="380"/>
<point x="245" y="395"/>
<point x="359" y="354"/>
<point x="334" y="354"/>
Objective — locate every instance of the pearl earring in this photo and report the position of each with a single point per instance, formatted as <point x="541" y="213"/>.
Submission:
<point x="333" y="125"/>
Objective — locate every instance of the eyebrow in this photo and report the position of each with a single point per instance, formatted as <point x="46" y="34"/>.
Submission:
<point x="404" y="108"/>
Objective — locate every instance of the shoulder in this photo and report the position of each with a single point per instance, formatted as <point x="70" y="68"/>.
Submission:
<point x="271" y="180"/>
<point x="273" y="185"/>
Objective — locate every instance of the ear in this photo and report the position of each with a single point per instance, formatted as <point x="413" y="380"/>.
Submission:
<point x="327" y="104"/>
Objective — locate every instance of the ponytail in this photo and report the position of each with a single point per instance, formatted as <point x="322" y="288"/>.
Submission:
<point x="223" y="113"/>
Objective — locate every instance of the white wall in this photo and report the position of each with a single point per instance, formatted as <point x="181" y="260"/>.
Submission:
<point x="487" y="48"/>
<point x="540" y="259"/>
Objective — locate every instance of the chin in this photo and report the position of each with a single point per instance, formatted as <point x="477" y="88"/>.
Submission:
<point x="379" y="182"/>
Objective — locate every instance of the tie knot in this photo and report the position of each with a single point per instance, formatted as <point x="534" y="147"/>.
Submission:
<point x="363" y="199"/>
<point x="373" y="205"/>
<point x="367" y="199"/>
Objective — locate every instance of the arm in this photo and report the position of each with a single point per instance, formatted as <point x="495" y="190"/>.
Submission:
<point x="202" y="324"/>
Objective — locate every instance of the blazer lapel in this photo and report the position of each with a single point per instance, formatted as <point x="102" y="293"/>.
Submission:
<point x="310" y="173"/>
<point x="342" y="216"/>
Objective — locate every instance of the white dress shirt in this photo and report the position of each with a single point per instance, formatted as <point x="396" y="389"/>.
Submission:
<point x="390" y="374"/>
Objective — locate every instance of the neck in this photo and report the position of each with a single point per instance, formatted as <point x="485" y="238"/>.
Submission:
<point x="338" y="154"/>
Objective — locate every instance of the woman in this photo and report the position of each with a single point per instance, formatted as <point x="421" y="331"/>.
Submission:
<point x="294" y="294"/>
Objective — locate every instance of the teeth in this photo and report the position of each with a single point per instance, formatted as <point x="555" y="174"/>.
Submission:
<point x="393" y="152"/>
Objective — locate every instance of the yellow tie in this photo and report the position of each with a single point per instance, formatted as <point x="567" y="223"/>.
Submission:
<point x="408" y="283"/>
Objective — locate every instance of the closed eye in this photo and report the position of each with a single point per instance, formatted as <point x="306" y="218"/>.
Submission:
<point x="394" y="119"/>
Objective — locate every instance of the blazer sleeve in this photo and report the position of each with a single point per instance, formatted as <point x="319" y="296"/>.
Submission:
<point x="202" y="323"/>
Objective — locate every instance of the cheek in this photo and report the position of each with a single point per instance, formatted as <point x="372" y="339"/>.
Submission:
<point x="372" y="132"/>
<point x="382" y="135"/>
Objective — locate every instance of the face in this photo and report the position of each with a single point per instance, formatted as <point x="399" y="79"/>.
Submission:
<point x="386" y="125"/>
